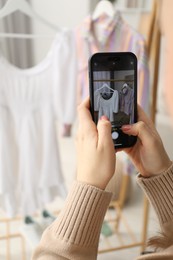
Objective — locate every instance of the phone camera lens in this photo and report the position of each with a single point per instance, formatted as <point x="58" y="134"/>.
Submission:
<point x="95" y="64"/>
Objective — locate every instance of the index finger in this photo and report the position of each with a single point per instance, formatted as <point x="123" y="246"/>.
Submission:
<point x="85" y="118"/>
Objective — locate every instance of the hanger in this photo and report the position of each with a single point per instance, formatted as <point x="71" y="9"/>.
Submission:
<point x="104" y="6"/>
<point x="126" y="85"/>
<point x="105" y="86"/>
<point x="23" y="6"/>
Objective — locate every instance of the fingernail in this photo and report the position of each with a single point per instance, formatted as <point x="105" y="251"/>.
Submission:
<point x="104" y="118"/>
<point x="126" y="127"/>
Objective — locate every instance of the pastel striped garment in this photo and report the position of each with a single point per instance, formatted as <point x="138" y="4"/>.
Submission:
<point x="115" y="35"/>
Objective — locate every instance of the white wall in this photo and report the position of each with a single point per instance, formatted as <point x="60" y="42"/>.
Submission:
<point x="63" y="13"/>
<point x="133" y="15"/>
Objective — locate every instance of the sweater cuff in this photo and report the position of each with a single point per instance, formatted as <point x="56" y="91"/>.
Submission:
<point x="159" y="190"/>
<point x="81" y="219"/>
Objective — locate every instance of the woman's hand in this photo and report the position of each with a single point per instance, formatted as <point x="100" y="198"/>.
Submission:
<point x="95" y="149"/>
<point x="148" y="154"/>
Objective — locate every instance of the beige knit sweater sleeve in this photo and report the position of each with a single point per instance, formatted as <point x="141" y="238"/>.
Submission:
<point x="159" y="190"/>
<point x="75" y="233"/>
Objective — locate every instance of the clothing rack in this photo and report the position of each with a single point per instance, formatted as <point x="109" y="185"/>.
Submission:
<point x="149" y="26"/>
<point x="23" y="6"/>
<point x="11" y="6"/>
<point x="10" y="236"/>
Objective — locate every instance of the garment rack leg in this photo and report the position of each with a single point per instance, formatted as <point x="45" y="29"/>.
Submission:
<point x="145" y="224"/>
<point x="8" y="239"/>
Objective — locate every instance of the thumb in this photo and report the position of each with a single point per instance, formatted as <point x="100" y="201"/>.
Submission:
<point x="104" y="132"/>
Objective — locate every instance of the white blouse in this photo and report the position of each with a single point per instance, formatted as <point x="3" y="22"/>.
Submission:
<point x="106" y="107"/>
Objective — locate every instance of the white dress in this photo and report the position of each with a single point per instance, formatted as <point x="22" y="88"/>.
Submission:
<point x="30" y="102"/>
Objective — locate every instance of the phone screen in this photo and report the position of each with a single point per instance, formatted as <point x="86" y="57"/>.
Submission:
<point x="113" y="92"/>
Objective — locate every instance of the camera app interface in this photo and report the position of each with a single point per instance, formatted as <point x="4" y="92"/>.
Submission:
<point x="114" y="98"/>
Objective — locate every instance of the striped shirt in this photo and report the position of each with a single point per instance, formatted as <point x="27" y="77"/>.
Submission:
<point x="116" y="36"/>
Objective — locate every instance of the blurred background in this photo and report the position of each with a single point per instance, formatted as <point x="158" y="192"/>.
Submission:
<point x="44" y="51"/>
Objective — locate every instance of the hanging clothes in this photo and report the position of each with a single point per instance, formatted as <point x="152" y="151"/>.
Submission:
<point x="106" y="106"/>
<point x="127" y="101"/>
<point x="30" y="104"/>
<point x="115" y="35"/>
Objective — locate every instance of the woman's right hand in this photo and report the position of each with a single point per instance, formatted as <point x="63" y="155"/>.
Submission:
<point x="148" y="154"/>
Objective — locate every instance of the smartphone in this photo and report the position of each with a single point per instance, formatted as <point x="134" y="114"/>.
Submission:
<point x="113" y="92"/>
